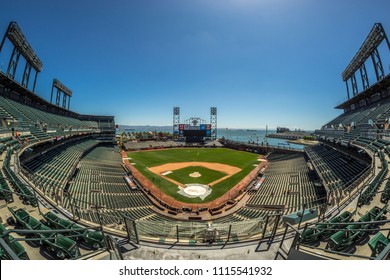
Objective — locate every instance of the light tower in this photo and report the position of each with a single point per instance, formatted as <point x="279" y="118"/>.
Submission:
<point x="21" y="47"/>
<point x="61" y="90"/>
<point x="176" y="120"/>
<point x="213" y="122"/>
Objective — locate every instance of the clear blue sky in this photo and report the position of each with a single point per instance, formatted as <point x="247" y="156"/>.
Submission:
<point x="259" y="61"/>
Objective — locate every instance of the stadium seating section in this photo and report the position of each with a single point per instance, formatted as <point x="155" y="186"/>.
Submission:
<point x="336" y="169"/>
<point x="377" y="112"/>
<point x="51" y="170"/>
<point x="288" y="184"/>
<point x="338" y="165"/>
<point x="26" y="118"/>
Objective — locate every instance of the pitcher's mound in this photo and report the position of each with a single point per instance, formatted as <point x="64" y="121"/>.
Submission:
<point x="195" y="175"/>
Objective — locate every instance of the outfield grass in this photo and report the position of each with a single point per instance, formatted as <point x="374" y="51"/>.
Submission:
<point x="243" y="160"/>
<point x="207" y="175"/>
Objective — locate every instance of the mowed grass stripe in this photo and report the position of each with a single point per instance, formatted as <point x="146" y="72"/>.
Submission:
<point x="207" y="175"/>
<point x="243" y="160"/>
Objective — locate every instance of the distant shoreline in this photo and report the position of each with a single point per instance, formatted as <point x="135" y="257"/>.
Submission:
<point x="303" y="142"/>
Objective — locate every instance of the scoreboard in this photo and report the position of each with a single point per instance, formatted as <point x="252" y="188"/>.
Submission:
<point x="202" y="130"/>
<point x="195" y="129"/>
<point x="197" y="133"/>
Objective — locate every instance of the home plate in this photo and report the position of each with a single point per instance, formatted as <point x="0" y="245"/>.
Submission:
<point x="195" y="190"/>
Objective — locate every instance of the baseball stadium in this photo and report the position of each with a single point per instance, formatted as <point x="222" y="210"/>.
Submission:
<point x="72" y="188"/>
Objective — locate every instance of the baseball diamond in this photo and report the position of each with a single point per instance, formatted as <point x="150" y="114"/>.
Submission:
<point x="222" y="169"/>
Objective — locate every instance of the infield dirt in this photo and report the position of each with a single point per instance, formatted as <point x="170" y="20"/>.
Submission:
<point x="228" y="169"/>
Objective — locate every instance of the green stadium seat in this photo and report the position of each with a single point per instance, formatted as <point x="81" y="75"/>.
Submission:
<point x="377" y="243"/>
<point x="314" y="234"/>
<point x="62" y="246"/>
<point x="92" y="238"/>
<point x="15" y="246"/>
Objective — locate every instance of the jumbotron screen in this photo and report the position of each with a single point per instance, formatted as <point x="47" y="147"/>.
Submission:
<point x="203" y="130"/>
<point x="197" y="133"/>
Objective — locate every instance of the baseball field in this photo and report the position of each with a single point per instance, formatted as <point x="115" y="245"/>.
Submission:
<point x="221" y="169"/>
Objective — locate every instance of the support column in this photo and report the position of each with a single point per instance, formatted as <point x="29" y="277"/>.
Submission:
<point x="26" y="75"/>
<point x="378" y="67"/>
<point x="13" y="63"/>
<point x="51" y="95"/>
<point x="355" y="90"/>
<point x="64" y="101"/>
<point x="346" y="83"/>
<point x="5" y="36"/>
<point x="364" y="76"/>
<point x="58" y="98"/>
<point x="35" y="81"/>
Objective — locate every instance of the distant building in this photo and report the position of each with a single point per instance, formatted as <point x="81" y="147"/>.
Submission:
<point x="282" y="129"/>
